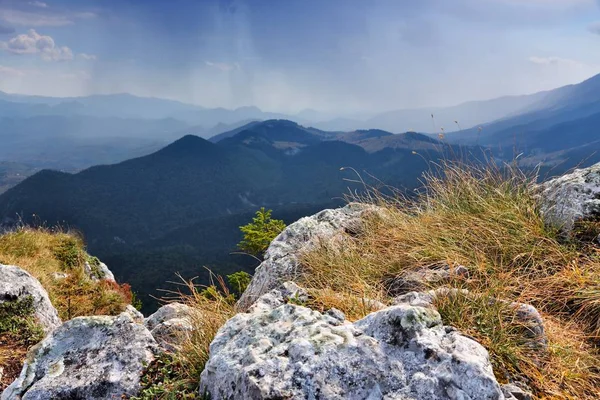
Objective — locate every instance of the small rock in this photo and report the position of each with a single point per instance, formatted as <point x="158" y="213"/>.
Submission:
<point x="424" y="278"/>
<point x="170" y="324"/>
<point x="514" y="392"/>
<point x="16" y="284"/>
<point x="97" y="270"/>
<point x="167" y="312"/>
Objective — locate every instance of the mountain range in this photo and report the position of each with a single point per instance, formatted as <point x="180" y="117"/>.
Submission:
<point x="71" y="134"/>
<point x="158" y="186"/>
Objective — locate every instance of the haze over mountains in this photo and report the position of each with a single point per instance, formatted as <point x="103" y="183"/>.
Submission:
<point x="161" y="186"/>
<point x="75" y="133"/>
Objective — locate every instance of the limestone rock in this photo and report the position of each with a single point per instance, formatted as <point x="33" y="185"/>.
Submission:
<point x="289" y="351"/>
<point x="423" y="278"/>
<point x="15" y="284"/>
<point x="170" y="324"/>
<point x="97" y="270"/>
<point x="514" y="392"/>
<point x="527" y="315"/>
<point x="96" y="357"/>
<point x="167" y="312"/>
<point x="571" y="197"/>
<point x="281" y="258"/>
<point x="137" y="316"/>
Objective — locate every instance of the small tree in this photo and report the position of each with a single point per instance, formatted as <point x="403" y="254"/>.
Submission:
<point x="259" y="233"/>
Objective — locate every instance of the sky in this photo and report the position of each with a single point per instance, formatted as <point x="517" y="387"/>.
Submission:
<point x="346" y="57"/>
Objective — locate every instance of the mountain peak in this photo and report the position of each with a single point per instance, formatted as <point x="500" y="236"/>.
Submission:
<point x="189" y="144"/>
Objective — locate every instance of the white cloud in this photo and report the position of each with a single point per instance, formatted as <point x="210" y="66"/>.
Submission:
<point x="12" y="72"/>
<point x="555" y="61"/>
<point x="39" y="4"/>
<point x="87" y="57"/>
<point x="41" y="16"/>
<point x="36" y="19"/>
<point x="34" y="43"/>
<point x="224" y="67"/>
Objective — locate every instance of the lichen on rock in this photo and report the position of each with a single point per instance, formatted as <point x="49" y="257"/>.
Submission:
<point x="96" y="357"/>
<point x="283" y="350"/>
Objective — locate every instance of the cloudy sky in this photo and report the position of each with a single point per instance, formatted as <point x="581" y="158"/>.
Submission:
<point x="344" y="56"/>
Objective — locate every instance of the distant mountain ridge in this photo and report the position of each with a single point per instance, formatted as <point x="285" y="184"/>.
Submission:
<point x="192" y="184"/>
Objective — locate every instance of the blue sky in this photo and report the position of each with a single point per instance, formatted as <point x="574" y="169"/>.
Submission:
<point x="341" y="56"/>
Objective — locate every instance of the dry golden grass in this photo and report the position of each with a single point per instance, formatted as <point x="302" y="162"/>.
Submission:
<point x="488" y="221"/>
<point x="213" y="306"/>
<point x="44" y="254"/>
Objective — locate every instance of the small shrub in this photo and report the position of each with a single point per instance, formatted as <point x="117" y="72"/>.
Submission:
<point x="162" y="380"/>
<point x="69" y="252"/>
<point x="17" y="322"/>
<point x="239" y="281"/>
<point x="259" y="233"/>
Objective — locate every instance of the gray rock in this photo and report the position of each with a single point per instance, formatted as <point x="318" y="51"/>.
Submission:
<point x="571" y="197"/>
<point x="170" y="324"/>
<point x="98" y="271"/>
<point x="514" y="392"/>
<point x="281" y="258"/>
<point x="527" y="315"/>
<point x="292" y="352"/>
<point x="167" y="312"/>
<point x="86" y="358"/>
<point x="137" y="316"/>
<point x="426" y="299"/>
<point x="16" y="284"/>
<point x="171" y="334"/>
<point x="424" y="278"/>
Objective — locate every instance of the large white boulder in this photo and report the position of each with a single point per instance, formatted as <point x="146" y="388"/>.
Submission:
<point x="96" y="357"/>
<point x="280" y="349"/>
<point x="281" y="258"/>
<point x="571" y="197"/>
<point x="17" y="284"/>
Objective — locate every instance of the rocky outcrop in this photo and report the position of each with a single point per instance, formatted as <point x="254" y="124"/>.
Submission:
<point x="281" y="258"/>
<point x="16" y="284"/>
<point x="86" y="358"/>
<point x="571" y="197"/>
<point x="280" y="349"/>
<point x="170" y="324"/>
